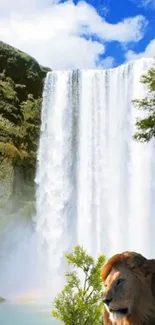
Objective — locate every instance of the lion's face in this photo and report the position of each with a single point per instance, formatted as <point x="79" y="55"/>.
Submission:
<point x="129" y="280"/>
<point x="119" y="294"/>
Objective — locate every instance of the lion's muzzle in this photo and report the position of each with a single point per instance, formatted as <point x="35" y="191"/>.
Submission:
<point x="107" y="301"/>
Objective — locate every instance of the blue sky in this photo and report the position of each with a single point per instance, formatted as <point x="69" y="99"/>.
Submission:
<point x="120" y="9"/>
<point x="80" y="34"/>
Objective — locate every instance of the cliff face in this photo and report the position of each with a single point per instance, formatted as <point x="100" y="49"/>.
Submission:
<point x="21" y="86"/>
<point x="2" y="300"/>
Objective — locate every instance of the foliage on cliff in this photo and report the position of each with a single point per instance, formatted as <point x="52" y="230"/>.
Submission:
<point x="146" y="125"/>
<point x="21" y="85"/>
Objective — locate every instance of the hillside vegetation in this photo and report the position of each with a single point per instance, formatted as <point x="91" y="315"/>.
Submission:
<point x="21" y="86"/>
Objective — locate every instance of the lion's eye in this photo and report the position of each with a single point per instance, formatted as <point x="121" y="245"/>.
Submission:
<point x="119" y="281"/>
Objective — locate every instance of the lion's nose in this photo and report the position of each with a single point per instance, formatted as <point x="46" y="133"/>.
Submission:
<point x="107" y="301"/>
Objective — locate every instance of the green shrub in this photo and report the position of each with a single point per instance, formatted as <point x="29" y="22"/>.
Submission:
<point x="146" y="126"/>
<point x="80" y="302"/>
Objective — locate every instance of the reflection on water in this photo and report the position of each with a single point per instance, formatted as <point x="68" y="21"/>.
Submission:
<point x="22" y="314"/>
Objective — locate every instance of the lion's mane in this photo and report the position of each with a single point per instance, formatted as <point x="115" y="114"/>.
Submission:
<point x="144" y="272"/>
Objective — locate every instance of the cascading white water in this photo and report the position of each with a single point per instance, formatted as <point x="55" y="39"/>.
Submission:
<point x="95" y="185"/>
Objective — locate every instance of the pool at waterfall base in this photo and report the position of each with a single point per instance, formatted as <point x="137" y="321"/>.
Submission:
<point x="13" y="313"/>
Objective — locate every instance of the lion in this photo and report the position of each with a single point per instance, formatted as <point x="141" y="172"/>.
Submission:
<point x="129" y="280"/>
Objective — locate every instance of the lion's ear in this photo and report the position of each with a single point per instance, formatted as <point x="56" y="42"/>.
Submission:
<point x="134" y="260"/>
<point x="153" y="284"/>
<point x="149" y="268"/>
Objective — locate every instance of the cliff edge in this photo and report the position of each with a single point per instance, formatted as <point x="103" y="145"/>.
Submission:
<point x="21" y="86"/>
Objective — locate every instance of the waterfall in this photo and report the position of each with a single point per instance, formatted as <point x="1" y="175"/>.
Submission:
<point x="95" y="185"/>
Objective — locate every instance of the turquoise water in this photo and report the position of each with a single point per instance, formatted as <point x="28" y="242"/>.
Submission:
<point x="22" y="314"/>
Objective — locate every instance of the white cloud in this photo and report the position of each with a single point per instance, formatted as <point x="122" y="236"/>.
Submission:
<point x="10" y="6"/>
<point x="54" y="36"/>
<point x="148" y="53"/>
<point x="107" y="63"/>
<point x="23" y="6"/>
<point x="145" y="3"/>
<point x="129" y="30"/>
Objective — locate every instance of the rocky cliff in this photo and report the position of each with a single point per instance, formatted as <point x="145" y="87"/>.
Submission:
<point x="21" y="86"/>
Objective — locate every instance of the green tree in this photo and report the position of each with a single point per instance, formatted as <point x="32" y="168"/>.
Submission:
<point x="146" y="126"/>
<point x="80" y="302"/>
